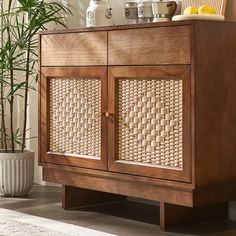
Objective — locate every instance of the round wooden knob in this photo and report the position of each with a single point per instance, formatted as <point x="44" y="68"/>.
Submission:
<point x="107" y="114"/>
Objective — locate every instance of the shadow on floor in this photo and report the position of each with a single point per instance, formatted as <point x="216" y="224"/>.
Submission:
<point x="123" y="218"/>
<point x="148" y="213"/>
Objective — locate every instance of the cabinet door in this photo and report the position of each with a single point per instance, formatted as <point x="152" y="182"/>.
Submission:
<point x="149" y="121"/>
<point x="73" y="130"/>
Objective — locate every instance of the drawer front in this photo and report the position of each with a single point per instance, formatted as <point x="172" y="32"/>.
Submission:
<point x="153" y="46"/>
<point x="74" y="49"/>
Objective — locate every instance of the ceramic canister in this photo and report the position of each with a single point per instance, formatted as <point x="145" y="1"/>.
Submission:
<point x="131" y="12"/>
<point x="145" y="11"/>
<point x="99" y="13"/>
<point x="163" y="10"/>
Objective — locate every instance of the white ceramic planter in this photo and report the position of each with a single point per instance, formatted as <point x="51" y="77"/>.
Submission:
<point x="16" y="173"/>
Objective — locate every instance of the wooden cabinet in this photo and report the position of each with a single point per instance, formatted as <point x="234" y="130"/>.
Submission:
<point x="144" y="112"/>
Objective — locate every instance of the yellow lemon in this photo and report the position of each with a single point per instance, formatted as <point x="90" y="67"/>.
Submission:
<point x="190" y="10"/>
<point x="204" y="9"/>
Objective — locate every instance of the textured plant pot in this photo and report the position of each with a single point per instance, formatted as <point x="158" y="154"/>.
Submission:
<point x="16" y="173"/>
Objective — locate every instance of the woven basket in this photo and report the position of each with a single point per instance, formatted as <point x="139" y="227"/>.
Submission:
<point x="219" y="5"/>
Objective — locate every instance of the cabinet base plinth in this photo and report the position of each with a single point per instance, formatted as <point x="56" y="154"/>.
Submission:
<point x="170" y="215"/>
<point x="173" y="215"/>
<point x="73" y="197"/>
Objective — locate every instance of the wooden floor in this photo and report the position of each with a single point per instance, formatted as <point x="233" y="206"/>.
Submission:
<point x="129" y="218"/>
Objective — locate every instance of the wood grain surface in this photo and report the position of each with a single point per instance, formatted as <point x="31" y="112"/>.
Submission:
<point x="170" y="45"/>
<point x="215" y="104"/>
<point x="82" y="49"/>
<point x="120" y="187"/>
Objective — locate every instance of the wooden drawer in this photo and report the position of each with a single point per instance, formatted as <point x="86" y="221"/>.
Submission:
<point x="74" y="49"/>
<point x="153" y="46"/>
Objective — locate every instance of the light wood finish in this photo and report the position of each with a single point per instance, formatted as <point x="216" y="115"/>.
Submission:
<point x="60" y="158"/>
<point x="164" y="73"/>
<point x="84" y="49"/>
<point x="173" y="215"/>
<point x="153" y="46"/>
<point x="73" y="197"/>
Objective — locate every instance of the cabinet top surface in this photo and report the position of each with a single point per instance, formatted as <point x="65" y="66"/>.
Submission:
<point x="134" y="26"/>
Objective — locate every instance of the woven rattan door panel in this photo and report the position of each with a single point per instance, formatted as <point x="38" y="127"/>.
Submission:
<point x="74" y="116"/>
<point x="150" y="121"/>
<point x="74" y="128"/>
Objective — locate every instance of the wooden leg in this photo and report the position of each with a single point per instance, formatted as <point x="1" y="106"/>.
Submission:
<point x="73" y="197"/>
<point x="173" y="215"/>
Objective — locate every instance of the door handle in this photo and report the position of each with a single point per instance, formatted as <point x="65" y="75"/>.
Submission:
<point x="107" y="114"/>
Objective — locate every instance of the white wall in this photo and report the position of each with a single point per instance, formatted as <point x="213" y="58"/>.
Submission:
<point x="231" y="10"/>
<point x="78" y="18"/>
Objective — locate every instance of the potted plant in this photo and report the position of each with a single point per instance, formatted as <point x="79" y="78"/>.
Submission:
<point x="20" y="23"/>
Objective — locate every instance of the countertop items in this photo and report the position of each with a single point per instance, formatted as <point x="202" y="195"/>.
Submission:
<point x="145" y="11"/>
<point x="219" y="5"/>
<point x="163" y="10"/>
<point x="202" y="10"/>
<point x="100" y="12"/>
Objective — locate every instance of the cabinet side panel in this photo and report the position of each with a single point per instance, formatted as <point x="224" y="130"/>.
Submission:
<point x="215" y="101"/>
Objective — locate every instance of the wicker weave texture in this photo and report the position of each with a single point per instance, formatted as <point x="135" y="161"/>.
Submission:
<point x="75" y="105"/>
<point x="218" y="4"/>
<point x="150" y="128"/>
